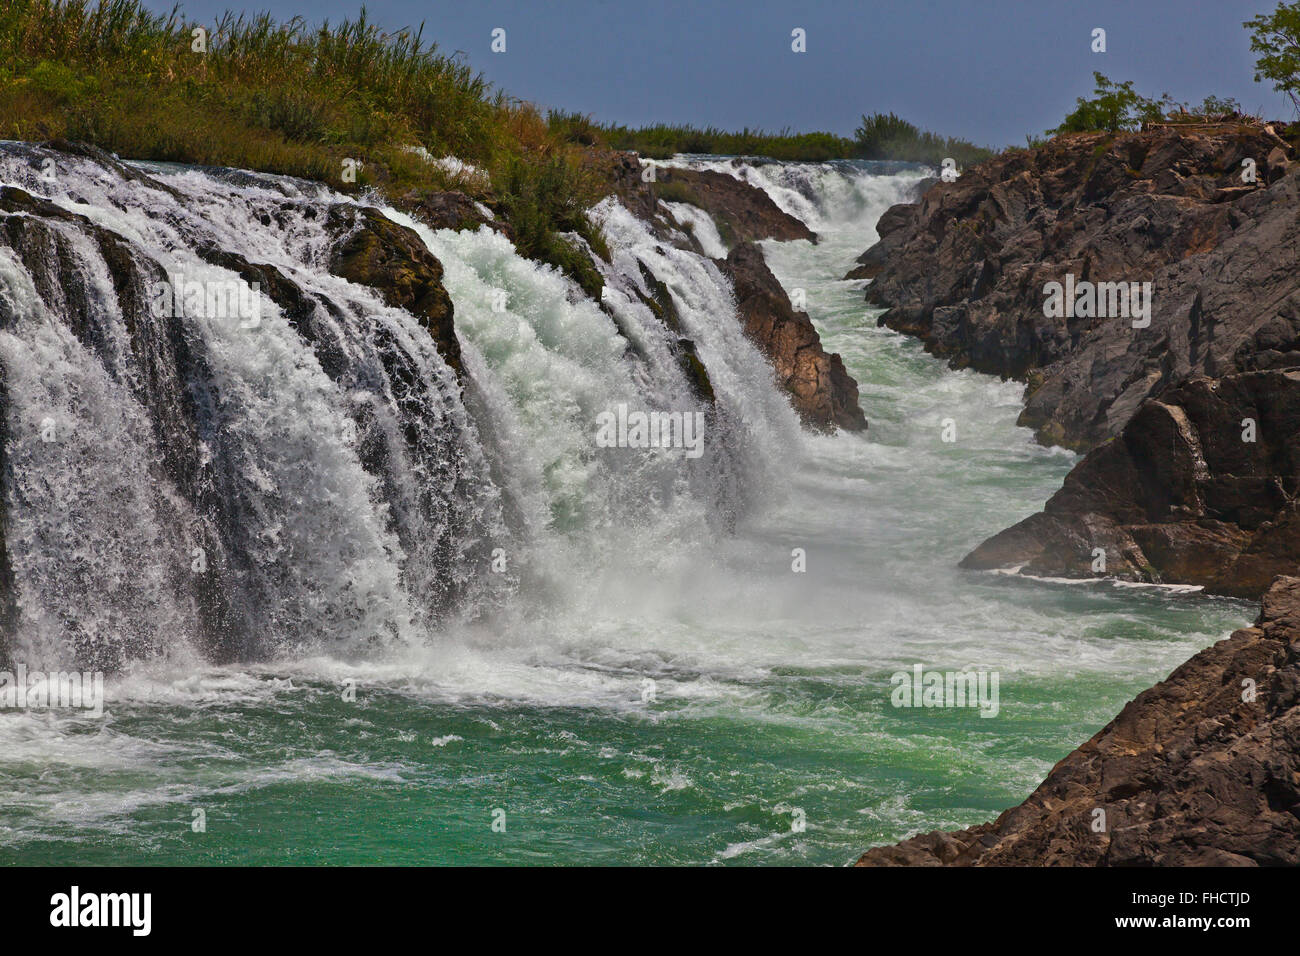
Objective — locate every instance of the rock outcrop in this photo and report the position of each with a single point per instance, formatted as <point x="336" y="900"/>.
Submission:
<point x="1199" y="488"/>
<point x="965" y="268"/>
<point x="824" y="394"/>
<point x="821" y="389"/>
<point x="375" y="251"/>
<point x="741" y="212"/>
<point x="452" y="210"/>
<point x="1201" y="770"/>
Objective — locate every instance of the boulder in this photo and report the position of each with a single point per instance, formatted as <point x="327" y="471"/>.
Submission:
<point x="375" y="251"/>
<point x="1199" y="488"/>
<point x="823" y="392"/>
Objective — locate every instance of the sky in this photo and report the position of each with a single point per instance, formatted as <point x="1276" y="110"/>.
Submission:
<point x="990" y="71"/>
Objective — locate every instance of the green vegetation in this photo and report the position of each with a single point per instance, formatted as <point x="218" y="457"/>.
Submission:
<point x="881" y="136"/>
<point x="281" y="97"/>
<point x="1276" y="38"/>
<point x="886" y="136"/>
<point x="1117" y="107"/>
<point x="355" y="107"/>
<point x="662" y="141"/>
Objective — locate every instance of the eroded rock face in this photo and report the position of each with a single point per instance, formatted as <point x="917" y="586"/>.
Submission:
<point x="964" y="269"/>
<point x="824" y="394"/>
<point x="1202" y="769"/>
<point x="741" y="212"/>
<point x="377" y="252"/>
<point x="452" y="210"/>
<point x="1199" y="488"/>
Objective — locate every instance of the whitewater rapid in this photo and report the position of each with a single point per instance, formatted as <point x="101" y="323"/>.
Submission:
<point x="651" y="680"/>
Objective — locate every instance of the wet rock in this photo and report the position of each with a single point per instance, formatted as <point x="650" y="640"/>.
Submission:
<point x="742" y="213"/>
<point x="452" y="210"/>
<point x="824" y="394"/>
<point x="964" y="268"/>
<point x="375" y="251"/>
<point x="1203" y="769"/>
<point x="1199" y="488"/>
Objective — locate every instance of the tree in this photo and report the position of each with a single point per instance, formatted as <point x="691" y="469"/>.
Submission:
<point x="1116" y="106"/>
<point x="879" y="131"/>
<point x="1276" y="37"/>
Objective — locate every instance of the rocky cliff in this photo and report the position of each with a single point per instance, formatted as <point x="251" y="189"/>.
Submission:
<point x="1198" y="484"/>
<point x="1201" y="770"/>
<point x="1199" y="488"/>
<point x="965" y="268"/>
<point x="822" y="391"/>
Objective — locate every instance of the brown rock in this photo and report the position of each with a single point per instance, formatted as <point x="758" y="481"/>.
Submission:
<point x="391" y="259"/>
<point x="1179" y="496"/>
<point x="824" y="394"/>
<point x="741" y="212"/>
<point x="451" y="210"/>
<point x="1202" y="769"/>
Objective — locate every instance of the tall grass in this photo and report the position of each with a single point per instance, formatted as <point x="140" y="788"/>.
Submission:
<point x="283" y="97"/>
<point x="881" y="136"/>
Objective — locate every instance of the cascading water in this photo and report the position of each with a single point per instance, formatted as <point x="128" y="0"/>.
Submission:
<point x="648" y="680"/>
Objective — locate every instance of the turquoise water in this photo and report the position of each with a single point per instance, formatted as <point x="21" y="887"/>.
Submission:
<point x="658" y="696"/>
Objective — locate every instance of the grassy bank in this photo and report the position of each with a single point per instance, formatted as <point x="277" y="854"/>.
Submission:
<point x="352" y="106"/>
<point x="881" y="136"/>
<point x="281" y="97"/>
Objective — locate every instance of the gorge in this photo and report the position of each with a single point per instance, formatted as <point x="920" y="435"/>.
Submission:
<point x="394" y="481"/>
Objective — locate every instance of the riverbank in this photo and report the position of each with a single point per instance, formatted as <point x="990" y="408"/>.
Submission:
<point x="1189" y="409"/>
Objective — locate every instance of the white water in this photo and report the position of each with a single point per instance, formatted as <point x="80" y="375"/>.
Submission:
<point x="623" y="566"/>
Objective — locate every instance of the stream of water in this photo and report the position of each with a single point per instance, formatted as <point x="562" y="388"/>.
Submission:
<point x="647" y="684"/>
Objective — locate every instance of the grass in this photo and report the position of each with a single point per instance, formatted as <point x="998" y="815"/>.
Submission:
<point x="881" y="136"/>
<point x="280" y="97"/>
<point x="283" y="97"/>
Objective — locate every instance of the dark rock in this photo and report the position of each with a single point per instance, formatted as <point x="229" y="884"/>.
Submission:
<point x="741" y="212"/>
<point x="452" y="210"/>
<point x="375" y="251"/>
<point x="1202" y="769"/>
<point x="824" y="394"/>
<point x="1179" y="496"/>
<point x="964" y="268"/>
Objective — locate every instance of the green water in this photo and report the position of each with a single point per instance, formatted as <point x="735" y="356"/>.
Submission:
<point x="771" y="689"/>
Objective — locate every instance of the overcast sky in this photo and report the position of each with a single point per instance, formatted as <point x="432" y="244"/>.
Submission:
<point x="986" y="70"/>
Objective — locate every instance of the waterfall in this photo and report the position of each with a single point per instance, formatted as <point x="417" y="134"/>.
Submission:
<point x="313" y="479"/>
<point x="640" y="656"/>
<point x="317" y="478"/>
